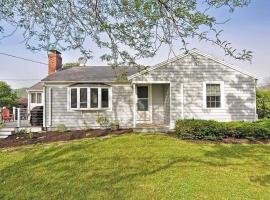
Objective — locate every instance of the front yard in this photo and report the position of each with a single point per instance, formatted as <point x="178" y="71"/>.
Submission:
<point x="135" y="167"/>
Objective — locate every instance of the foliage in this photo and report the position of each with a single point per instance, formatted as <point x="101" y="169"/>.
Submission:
<point x="61" y="128"/>
<point x="7" y="96"/>
<point x="263" y="103"/>
<point x="103" y="121"/>
<point x="135" y="166"/>
<point x="115" y="125"/>
<point x="128" y="30"/>
<point x="21" y="92"/>
<point x="71" y="64"/>
<point x="22" y="131"/>
<point x="30" y="135"/>
<point x="213" y="130"/>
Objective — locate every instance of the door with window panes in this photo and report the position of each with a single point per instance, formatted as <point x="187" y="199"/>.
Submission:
<point x="143" y="99"/>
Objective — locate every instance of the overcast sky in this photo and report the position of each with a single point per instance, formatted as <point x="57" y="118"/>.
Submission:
<point x="249" y="28"/>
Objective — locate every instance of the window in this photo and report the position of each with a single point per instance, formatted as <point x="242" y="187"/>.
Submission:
<point x="83" y="97"/>
<point x="89" y="98"/>
<point x="104" y="98"/>
<point x="36" y="97"/>
<point x="142" y="95"/>
<point x="94" y="98"/>
<point x="73" y="97"/>
<point x="213" y="96"/>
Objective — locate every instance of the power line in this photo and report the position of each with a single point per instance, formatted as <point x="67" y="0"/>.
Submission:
<point x="26" y="59"/>
<point x="19" y="79"/>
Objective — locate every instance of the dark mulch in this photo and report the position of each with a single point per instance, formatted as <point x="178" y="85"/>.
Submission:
<point x="53" y="136"/>
<point x="231" y="140"/>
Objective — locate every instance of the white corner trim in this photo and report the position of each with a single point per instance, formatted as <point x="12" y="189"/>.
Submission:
<point x="222" y="94"/>
<point x="44" y="105"/>
<point x="182" y="100"/>
<point x="50" y="107"/>
<point x="150" y="99"/>
<point x="134" y="105"/>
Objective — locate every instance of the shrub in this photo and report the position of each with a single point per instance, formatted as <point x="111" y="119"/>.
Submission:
<point x="61" y="128"/>
<point x="213" y="130"/>
<point x="200" y="129"/>
<point x="263" y="103"/>
<point x="103" y="121"/>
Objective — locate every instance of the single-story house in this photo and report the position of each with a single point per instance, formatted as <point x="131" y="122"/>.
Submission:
<point x="188" y="86"/>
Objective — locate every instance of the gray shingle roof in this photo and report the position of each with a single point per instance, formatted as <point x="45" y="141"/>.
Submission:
<point x="91" y="74"/>
<point x="37" y="87"/>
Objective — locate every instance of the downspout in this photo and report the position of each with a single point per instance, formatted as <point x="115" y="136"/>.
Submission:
<point x="50" y="107"/>
<point x="255" y="113"/>
<point x="134" y="105"/>
<point x="44" y="106"/>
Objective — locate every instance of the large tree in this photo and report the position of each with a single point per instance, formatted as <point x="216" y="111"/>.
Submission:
<point x="7" y="96"/>
<point x="128" y="29"/>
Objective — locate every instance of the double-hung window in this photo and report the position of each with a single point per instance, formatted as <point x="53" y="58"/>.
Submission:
<point x="36" y="97"/>
<point x="213" y="95"/>
<point x="88" y="98"/>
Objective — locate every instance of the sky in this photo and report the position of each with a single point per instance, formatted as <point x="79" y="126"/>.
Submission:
<point x="248" y="28"/>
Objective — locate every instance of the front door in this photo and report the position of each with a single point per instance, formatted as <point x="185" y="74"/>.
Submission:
<point x="143" y="104"/>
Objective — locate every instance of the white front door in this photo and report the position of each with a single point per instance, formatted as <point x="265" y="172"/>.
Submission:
<point x="143" y="108"/>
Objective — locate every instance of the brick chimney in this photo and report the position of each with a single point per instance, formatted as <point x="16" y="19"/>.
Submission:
<point x="54" y="61"/>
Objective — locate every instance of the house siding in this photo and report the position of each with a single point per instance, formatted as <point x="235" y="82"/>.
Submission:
<point x="192" y="72"/>
<point x="122" y="108"/>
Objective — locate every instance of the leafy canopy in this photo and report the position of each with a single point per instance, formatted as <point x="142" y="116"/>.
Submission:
<point x="7" y="96"/>
<point x="127" y="29"/>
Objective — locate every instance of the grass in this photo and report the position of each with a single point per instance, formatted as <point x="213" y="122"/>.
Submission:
<point x="135" y="167"/>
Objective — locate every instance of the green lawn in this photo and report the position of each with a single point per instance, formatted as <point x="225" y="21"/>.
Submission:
<point x="135" y="167"/>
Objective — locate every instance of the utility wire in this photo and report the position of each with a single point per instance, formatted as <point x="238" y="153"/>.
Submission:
<point x="19" y="79"/>
<point x="26" y="59"/>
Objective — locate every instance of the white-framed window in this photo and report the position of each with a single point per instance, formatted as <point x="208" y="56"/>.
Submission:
<point x="89" y="98"/>
<point x="213" y="94"/>
<point x="36" y="97"/>
<point x="142" y="98"/>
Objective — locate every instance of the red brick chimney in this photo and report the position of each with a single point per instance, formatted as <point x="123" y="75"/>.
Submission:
<point x="54" y="61"/>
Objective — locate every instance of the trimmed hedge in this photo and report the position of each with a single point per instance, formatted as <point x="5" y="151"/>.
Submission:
<point x="213" y="130"/>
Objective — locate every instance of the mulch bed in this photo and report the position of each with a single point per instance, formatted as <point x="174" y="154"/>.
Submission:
<point x="53" y="136"/>
<point x="231" y="140"/>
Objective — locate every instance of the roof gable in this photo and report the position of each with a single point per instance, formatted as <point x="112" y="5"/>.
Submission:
<point x="194" y="51"/>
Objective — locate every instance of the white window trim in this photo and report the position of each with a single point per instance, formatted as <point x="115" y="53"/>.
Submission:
<point x="88" y="98"/>
<point x="222" y="97"/>
<point x="35" y="93"/>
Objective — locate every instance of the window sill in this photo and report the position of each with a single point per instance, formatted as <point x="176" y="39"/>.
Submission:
<point x="88" y="109"/>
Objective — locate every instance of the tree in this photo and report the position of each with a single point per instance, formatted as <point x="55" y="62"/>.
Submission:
<point x="7" y="96"/>
<point x="128" y="29"/>
<point x="71" y="64"/>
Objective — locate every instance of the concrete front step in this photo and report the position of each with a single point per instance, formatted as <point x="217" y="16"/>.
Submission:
<point x="5" y="133"/>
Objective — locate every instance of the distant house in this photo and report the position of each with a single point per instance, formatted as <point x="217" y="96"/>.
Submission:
<point x="194" y="85"/>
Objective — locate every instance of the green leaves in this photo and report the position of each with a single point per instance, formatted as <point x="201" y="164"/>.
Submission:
<point x="126" y="30"/>
<point x="7" y="96"/>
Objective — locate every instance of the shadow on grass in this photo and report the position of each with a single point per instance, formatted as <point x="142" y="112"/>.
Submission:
<point x="263" y="180"/>
<point x="95" y="166"/>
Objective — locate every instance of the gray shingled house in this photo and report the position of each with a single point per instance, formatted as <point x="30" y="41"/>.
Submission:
<point x="193" y="85"/>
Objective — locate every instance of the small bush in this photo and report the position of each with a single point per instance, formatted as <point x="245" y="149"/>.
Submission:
<point x="61" y="128"/>
<point x="213" y="130"/>
<point x="103" y="121"/>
